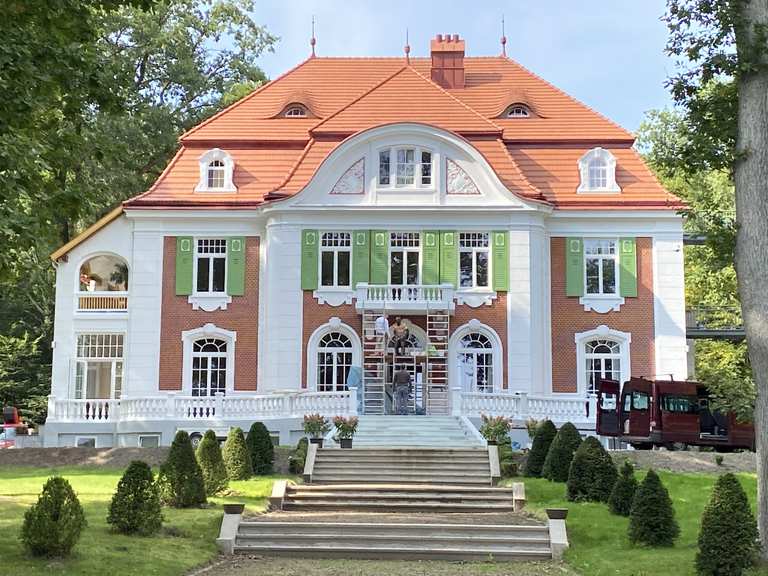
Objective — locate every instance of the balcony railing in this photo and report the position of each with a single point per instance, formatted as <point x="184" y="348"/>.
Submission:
<point x="715" y="322"/>
<point x="102" y="302"/>
<point x="405" y="298"/>
<point x="522" y="406"/>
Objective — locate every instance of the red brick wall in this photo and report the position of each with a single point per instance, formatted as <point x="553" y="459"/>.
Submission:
<point x="494" y="316"/>
<point x="569" y="317"/>
<point x="241" y="316"/>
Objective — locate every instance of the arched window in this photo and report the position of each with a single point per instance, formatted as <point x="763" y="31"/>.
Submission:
<point x="209" y="366"/>
<point x="603" y="360"/>
<point x="475" y="362"/>
<point x="334" y="359"/>
<point x="295" y="112"/>
<point x="216" y="174"/>
<point x="598" y="172"/>
<point x="518" y="111"/>
<point x="104" y="273"/>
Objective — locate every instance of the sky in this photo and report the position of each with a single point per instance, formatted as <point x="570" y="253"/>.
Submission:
<point x="608" y="54"/>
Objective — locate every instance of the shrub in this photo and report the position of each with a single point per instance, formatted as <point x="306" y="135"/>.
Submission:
<point x="507" y="463"/>
<point x="652" y="518"/>
<point x="545" y="433"/>
<point x="719" y="459"/>
<point x="298" y="457"/>
<point x="180" y="479"/>
<point x="592" y="474"/>
<point x="728" y="536"/>
<point x="53" y="525"/>
<point x="212" y="464"/>
<point x="260" y="448"/>
<point x="135" y="507"/>
<point x="315" y="425"/>
<point x="531" y="425"/>
<point x="620" y="501"/>
<point x="237" y="459"/>
<point x="345" y="427"/>
<point x="558" y="461"/>
<point x="495" y="428"/>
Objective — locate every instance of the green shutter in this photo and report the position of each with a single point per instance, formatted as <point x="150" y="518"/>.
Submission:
<point x="236" y="266"/>
<point x="379" y="257"/>
<point x="628" y="267"/>
<point x="309" y="255"/>
<point x="500" y="255"/>
<point x="574" y="267"/>
<point x="361" y="260"/>
<point x="449" y="257"/>
<point x="184" y="260"/>
<point x="430" y="265"/>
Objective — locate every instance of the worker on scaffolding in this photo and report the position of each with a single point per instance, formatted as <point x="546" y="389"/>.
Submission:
<point x="400" y="335"/>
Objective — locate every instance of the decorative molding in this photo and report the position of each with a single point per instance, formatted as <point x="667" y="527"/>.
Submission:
<point x="352" y="181"/>
<point x="458" y="182"/>
<point x="603" y="155"/>
<point x="229" y="169"/>
<point x="334" y="324"/>
<point x="475" y="299"/>
<point x="601" y="304"/>
<point x="209" y="330"/>
<point x="333" y="297"/>
<point x="581" y="338"/>
<point x="209" y="303"/>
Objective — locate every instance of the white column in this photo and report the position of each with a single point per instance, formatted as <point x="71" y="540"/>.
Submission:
<point x="669" y="306"/>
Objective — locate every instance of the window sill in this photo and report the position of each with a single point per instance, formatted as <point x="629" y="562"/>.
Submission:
<point x="209" y="302"/>
<point x="225" y="190"/>
<point x="602" y="303"/>
<point x="610" y="190"/>
<point x="334" y="296"/>
<point x="426" y="190"/>
<point x="475" y="297"/>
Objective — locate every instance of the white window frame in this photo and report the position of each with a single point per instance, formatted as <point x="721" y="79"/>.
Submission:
<point x="211" y="256"/>
<point x="601" y="155"/>
<point x="90" y="437"/>
<point x="602" y="332"/>
<point x="334" y="325"/>
<point x="208" y="370"/>
<point x="474" y="250"/>
<point x="83" y="361"/>
<point x="517" y="111"/>
<point x="454" y="349"/>
<point x="189" y="337"/>
<point x="335" y="364"/>
<point x="335" y="250"/>
<point x="404" y="250"/>
<point x="156" y="436"/>
<point x="602" y="258"/>
<point x="417" y="169"/>
<point x="293" y="108"/>
<point x="229" y="168"/>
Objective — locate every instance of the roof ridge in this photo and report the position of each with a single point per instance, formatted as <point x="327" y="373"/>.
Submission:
<point x="518" y="170"/>
<point x="292" y="171"/>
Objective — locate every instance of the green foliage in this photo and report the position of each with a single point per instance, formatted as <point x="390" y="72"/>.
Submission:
<point x="298" y="457"/>
<point x="135" y="506"/>
<point x="558" y="461"/>
<point x="728" y="535"/>
<point x="593" y="473"/>
<point x="212" y="464"/>
<point x="260" y="448"/>
<point x="316" y="425"/>
<point x="24" y="376"/>
<point x="652" y="517"/>
<point x="53" y="525"/>
<point x="345" y="427"/>
<point x="508" y="466"/>
<point x="237" y="458"/>
<point x="495" y="428"/>
<point x="180" y="479"/>
<point x="545" y="433"/>
<point x="623" y="493"/>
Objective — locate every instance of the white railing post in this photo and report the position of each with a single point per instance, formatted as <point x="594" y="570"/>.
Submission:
<point x="456" y="401"/>
<point x="52" y="407"/>
<point x="219" y="405"/>
<point x="523" y="405"/>
<point x="592" y="407"/>
<point x="353" y="401"/>
<point x="171" y="405"/>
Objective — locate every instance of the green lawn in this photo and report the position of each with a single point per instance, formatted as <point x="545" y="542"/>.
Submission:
<point x="599" y="544"/>
<point x="187" y="539"/>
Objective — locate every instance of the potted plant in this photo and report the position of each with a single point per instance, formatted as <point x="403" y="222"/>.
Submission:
<point x="345" y="430"/>
<point x="316" y="426"/>
<point x="495" y="429"/>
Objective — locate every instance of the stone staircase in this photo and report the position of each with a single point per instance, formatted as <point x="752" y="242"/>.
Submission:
<point x="415" y="431"/>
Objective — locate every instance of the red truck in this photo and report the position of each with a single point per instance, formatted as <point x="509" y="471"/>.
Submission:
<point x="12" y="427"/>
<point x="670" y="413"/>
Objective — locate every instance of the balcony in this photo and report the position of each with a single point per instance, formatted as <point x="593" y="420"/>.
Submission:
<point x="101" y="302"/>
<point x="409" y="298"/>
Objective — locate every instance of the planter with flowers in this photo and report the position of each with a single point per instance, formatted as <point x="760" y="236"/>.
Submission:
<point x="316" y="427"/>
<point x="345" y="430"/>
<point x="495" y="429"/>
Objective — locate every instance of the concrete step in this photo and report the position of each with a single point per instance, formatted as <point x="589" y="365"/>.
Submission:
<point x="341" y="456"/>
<point x="399" y="497"/>
<point x="374" y="470"/>
<point x="398" y="478"/>
<point x="427" y="506"/>
<point x="409" y="529"/>
<point x="402" y="488"/>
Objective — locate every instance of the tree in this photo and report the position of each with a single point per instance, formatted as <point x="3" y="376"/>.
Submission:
<point x="545" y="433"/>
<point x="558" y="461"/>
<point x="180" y="479"/>
<point x="728" y="535"/>
<point x="260" y="448"/>
<point x="135" y="506"/>
<point x="652" y="517"/>
<point x="212" y="464"/>
<point x="623" y="493"/>
<point x="237" y="459"/>
<point x="53" y="525"/>
<point x="592" y="474"/>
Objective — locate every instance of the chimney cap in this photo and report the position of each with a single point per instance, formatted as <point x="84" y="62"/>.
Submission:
<point x="447" y="43"/>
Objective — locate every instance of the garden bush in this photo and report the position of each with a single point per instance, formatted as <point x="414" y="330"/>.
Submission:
<point x="260" y="448"/>
<point x="135" y="507"/>
<point x="620" y="501"/>
<point x="558" y="461"/>
<point x="545" y="433"/>
<point x="180" y="479"/>
<point x="298" y="457"/>
<point x="53" y="525"/>
<point x="212" y="464"/>
<point x="592" y="474"/>
<point x="728" y="536"/>
<point x="507" y="459"/>
<point x="652" y="518"/>
<point x="495" y="428"/>
<point x="237" y="459"/>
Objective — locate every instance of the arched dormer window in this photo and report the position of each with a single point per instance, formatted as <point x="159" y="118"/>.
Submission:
<point x="216" y="169"/>
<point x="598" y="172"/>
<point x="295" y="111"/>
<point x="517" y="111"/>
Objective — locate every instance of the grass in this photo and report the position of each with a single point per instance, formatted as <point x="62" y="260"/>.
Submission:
<point x="599" y="543"/>
<point x="187" y="540"/>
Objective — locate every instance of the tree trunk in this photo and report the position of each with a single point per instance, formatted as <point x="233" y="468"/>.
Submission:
<point x="751" y="179"/>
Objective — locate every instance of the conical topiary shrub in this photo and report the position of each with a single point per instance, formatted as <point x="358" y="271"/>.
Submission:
<point x="592" y="474"/>
<point x="53" y="525"/>
<point x="545" y="433"/>
<point x="180" y="479"/>
<point x="620" y="501"/>
<point x="212" y="464"/>
<point x="135" y="507"/>
<point x="237" y="459"/>
<point x="652" y="518"/>
<point x="260" y="448"/>
<point x="558" y="461"/>
<point x="728" y="536"/>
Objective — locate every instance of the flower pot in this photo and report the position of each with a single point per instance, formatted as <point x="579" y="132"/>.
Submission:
<point x="234" y="508"/>
<point x="345" y="442"/>
<point x="318" y="441"/>
<point x="557" y="513"/>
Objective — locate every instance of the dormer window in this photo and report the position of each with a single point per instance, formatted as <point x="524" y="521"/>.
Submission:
<point x="518" y="111"/>
<point x="295" y="112"/>
<point x="216" y="169"/>
<point x="598" y="172"/>
<point x="405" y="167"/>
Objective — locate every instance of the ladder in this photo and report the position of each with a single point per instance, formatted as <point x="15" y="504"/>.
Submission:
<point x="436" y="389"/>
<point x="374" y="352"/>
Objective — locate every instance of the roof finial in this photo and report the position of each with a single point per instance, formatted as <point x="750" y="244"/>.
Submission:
<point x="503" y="38"/>
<point x="313" y="40"/>
<point x="407" y="48"/>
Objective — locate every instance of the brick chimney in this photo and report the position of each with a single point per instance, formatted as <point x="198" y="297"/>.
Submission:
<point x="448" y="61"/>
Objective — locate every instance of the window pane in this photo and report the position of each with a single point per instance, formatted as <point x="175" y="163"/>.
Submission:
<point x="405" y="166"/>
<point x="413" y="267"/>
<point x="465" y="269"/>
<point x="482" y="268"/>
<point x="343" y="279"/>
<point x="384" y="167"/>
<point x="326" y="269"/>
<point x="218" y="274"/>
<point x="593" y="276"/>
<point x="203" y="274"/>
<point x="396" y="267"/>
<point x="426" y="167"/>
<point x="609" y="276"/>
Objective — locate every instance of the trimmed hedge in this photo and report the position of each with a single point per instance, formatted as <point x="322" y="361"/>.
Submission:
<point x="261" y="449"/>
<point x="728" y="536"/>
<point x="212" y="464"/>
<point x="53" y="525"/>
<point x="237" y="459"/>
<point x="624" y="490"/>
<point x="558" y="462"/>
<point x="545" y="434"/>
<point x="652" y="518"/>
<point x="592" y="473"/>
<point x="507" y="462"/>
<point x="135" y="507"/>
<point x="180" y="479"/>
<point x="298" y="457"/>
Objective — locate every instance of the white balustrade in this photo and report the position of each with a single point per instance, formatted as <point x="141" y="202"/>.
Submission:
<point x="144" y="408"/>
<point x="573" y="409"/>
<point x="91" y="410"/>
<point x="408" y="297"/>
<point x="478" y="403"/>
<point x="102" y="301"/>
